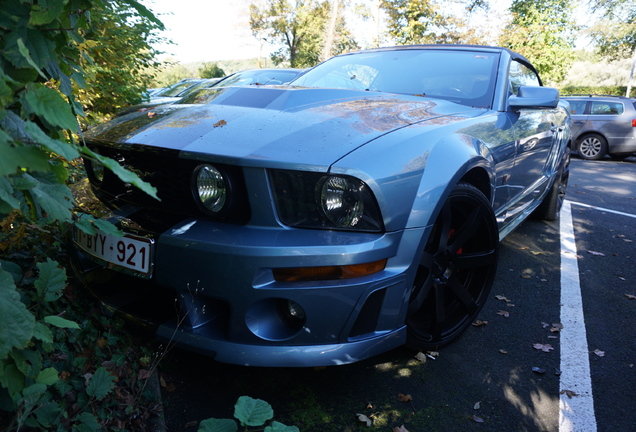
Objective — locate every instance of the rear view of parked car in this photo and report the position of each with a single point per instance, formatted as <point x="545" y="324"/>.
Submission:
<point x="603" y="125"/>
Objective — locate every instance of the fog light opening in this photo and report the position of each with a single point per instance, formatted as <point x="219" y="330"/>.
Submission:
<point x="292" y="314"/>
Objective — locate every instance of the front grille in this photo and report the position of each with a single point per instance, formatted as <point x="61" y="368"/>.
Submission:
<point x="172" y="176"/>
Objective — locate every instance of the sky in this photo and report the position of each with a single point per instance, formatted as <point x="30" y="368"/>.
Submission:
<point x="214" y="30"/>
<point x="205" y="30"/>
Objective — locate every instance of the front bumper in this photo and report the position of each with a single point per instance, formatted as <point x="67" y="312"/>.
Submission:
<point x="213" y="292"/>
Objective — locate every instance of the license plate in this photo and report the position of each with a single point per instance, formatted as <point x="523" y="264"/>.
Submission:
<point x="129" y="252"/>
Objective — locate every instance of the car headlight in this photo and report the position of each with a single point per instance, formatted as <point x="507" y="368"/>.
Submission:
<point x="210" y="187"/>
<point x="315" y="200"/>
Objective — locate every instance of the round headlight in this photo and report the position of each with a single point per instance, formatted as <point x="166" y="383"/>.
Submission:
<point x="342" y="202"/>
<point x="211" y="188"/>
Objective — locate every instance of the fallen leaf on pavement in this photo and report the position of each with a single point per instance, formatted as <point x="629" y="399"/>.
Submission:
<point x="630" y="296"/>
<point x="405" y="398"/>
<point x="364" y="419"/>
<point x="480" y="323"/>
<point x="504" y="313"/>
<point x="556" y="327"/>
<point x="569" y="393"/>
<point x="503" y="351"/>
<point x="538" y="370"/>
<point x="477" y="405"/>
<point x="596" y="253"/>
<point x="421" y="357"/>
<point x="478" y="419"/>
<point x="543" y="347"/>
<point x="502" y="298"/>
<point x="599" y="353"/>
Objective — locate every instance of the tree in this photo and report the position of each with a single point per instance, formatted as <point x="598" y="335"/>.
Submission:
<point x="118" y="58"/>
<point x="211" y="70"/>
<point x="44" y="50"/>
<point x="615" y="35"/>
<point x="297" y="27"/>
<point x="543" y="31"/>
<point x="430" y="21"/>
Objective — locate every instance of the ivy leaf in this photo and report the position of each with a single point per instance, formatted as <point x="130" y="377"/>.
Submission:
<point x="51" y="280"/>
<point x="48" y="414"/>
<point x="100" y="384"/>
<point x="17" y="322"/>
<point x="280" y="427"/>
<point x="56" y="199"/>
<point x="24" y="51"/>
<point x="252" y="412"/>
<point x="61" y="322"/>
<point x="123" y="174"/>
<point x="47" y="12"/>
<point x="217" y="425"/>
<point x="88" y="423"/>
<point x="50" y="105"/>
<point x="64" y="149"/>
<point x="43" y="333"/>
<point x="48" y="376"/>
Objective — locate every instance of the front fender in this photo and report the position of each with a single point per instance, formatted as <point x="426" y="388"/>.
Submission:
<point x="432" y="158"/>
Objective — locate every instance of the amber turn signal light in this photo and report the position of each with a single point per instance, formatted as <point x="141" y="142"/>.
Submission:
<point x="328" y="272"/>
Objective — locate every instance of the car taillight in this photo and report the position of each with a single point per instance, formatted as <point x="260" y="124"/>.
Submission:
<point x="634" y="123"/>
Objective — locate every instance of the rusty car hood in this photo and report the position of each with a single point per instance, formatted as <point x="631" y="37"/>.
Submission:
<point x="275" y="125"/>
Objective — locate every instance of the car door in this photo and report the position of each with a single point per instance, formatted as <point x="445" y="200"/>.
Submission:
<point x="579" y="115"/>
<point x="610" y="119"/>
<point x="534" y="132"/>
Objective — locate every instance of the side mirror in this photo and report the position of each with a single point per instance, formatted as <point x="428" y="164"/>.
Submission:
<point x="534" y="97"/>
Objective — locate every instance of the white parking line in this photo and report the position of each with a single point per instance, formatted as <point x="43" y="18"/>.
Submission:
<point x="603" y="209"/>
<point x="576" y="405"/>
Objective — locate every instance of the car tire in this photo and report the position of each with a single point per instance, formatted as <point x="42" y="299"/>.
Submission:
<point x="455" y="272"/>
<point x="550" y="207"/>
<point x="592" y="147"/>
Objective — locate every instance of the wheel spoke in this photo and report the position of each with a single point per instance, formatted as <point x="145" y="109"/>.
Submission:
<point x="440" y="312"/>
<point x="463" y="295"/>
<point x="466" y="231"/>
<point x="424" y="281"/>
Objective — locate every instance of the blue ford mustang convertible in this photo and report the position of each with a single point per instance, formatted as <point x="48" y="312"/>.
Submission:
<point x="357" y="209"/>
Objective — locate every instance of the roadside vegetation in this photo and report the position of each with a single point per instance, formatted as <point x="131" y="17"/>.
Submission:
<point x="69" y="64"/>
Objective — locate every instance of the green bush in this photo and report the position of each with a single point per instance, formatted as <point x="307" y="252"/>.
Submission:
<point x="598" y="90"/>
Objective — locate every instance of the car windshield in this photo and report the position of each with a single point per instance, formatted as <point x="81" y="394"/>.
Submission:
<point x="465" y="77"/>
<point x="257" y="77"/>
<point x="174" y="90"/>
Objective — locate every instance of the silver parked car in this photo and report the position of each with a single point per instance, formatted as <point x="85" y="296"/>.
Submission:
<point x="603" y="125"/>
<point x="356" y="209"/>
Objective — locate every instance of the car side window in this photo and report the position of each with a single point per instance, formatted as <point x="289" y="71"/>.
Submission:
<point x="521" y="75"/>
<point x="577" y="107"/>
<point x="602" y="107"/>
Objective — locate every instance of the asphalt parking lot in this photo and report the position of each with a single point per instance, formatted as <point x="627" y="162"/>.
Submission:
<point x="555" y="350"/>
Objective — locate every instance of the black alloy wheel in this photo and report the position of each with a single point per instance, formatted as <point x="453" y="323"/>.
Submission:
<point x="456" y="270"/>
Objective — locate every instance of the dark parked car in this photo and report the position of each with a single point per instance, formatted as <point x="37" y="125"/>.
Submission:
<point x="603" y="125"/>
<point x="355" y="210"/>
